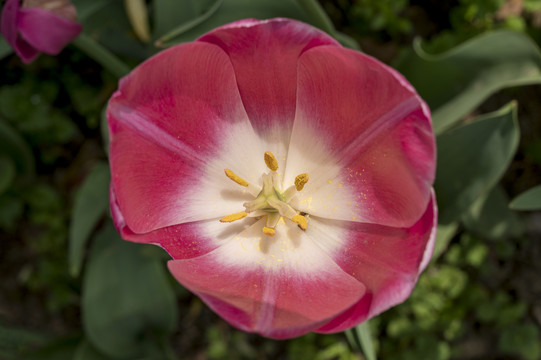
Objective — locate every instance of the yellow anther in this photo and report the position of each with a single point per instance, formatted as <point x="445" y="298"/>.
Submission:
<point x="230" y="174"/>
<point x="268" y="231"/>
<point x="300" y="181"/>
<point x="233" y="217"/>
<point x="300" y="220"/>
<point x="271" y="161"/>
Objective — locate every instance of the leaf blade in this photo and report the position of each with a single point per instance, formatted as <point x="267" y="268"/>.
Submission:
<point x="457" y="81"/>
<point x="89" y="206"/>
<point x="126" y="294"/>
<point x="360" y="338"/>
<point x="472" y="158"/>
<point x="528" y="200"/>
<point x="491" y="218"/>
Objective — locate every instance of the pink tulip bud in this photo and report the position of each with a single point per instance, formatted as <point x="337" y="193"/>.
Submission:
<point x="39" y="26"/>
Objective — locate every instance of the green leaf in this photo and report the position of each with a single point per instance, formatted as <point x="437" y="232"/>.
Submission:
<point x="456" y="82"/>
<point x="101" y="55"/>
<point x="472" y="158"/>
<point x="15" y="341"/>
<point x="444" y="234"/>
<point x="491" y="218"/>
<point x="521" y="339"/>
<point x="104" y="129"/>
<point x="7" y="173"/>
<point x="360" y="338"/>
<point x="207" y="15"/>
<point x="232" y="10"/>
<point x="528" y="200"/>
<point x="163" y="351"/>
<point x="319" y="18"/>
<point x="85" y="351"/>
<point x="107" y="33"/>
<point x="173" y="35"/>
<point x="5" y="49"/>
<point x="15" y="147"/>
<point x="89" y="206"/>
<point x="86" y="8"/>
<point x="58" y="349"/>
<point x="347" y="41"/>
<point x="128" y="303"/>
<point x="170" y="14"/>
<point x="11" y="210"/>
<point x="532" y="5"/>
<point x="200" y="17"/>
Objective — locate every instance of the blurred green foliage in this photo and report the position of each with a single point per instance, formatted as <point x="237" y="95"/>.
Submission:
<point x="42" y="130"/>
<point x="383" y="19"/>
<point x="473" y="17"/>
<point x="455" y="289"/>
<point x="379" y="16"/>
<point x="28" y="107"/>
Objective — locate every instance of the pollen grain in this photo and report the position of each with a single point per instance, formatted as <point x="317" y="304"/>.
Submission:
<point x="234" y="217"/>
<point x="230" y="174"/>
<point x="271" y="161"/>
<point x="268" y="231"/>
<point x="300" y="220"/>
<point x="300" y="181"/>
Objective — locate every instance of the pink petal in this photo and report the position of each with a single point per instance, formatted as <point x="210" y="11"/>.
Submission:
<point x="169" y="122"/>
<point x="180" y="241"/>
<point x="258" y="292"/>
<point x="25" y="51"/>
<point x="9" y="29"/>
<point x="387" y="261"/>
<point x="46" y="31"/>
<point x="9" y="21"/>
<point x="264" y="55"/>
<point x="376" y="128"/>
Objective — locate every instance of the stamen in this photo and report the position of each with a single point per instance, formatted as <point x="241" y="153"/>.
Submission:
<point x="300" y="220"/>
<point x="289" y="193"/>
<point x="230" y="174"/>
<point x="233" y="217"/>
<point x="272" y="220"/>
<point x="271" y="161"/>
<point x="254" y="190"/>
<point x="270" y="200"/>
<point x="300" y="181"/>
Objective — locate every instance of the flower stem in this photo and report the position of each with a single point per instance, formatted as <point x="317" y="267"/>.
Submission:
<point x="100" y="54"/>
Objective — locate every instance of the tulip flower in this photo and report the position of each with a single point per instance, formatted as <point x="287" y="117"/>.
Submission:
<point x="288" y="177"/>
<point x="39" y="26"/>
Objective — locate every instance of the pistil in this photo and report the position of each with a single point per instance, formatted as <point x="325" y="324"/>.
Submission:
<point x="270" y="201"/>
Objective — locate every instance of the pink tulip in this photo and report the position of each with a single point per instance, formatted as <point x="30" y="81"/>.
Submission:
<point x="325" y="216"/>
<point x="39" y="26"/>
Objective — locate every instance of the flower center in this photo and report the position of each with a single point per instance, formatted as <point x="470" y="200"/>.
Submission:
<point x="270" y="200"/>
